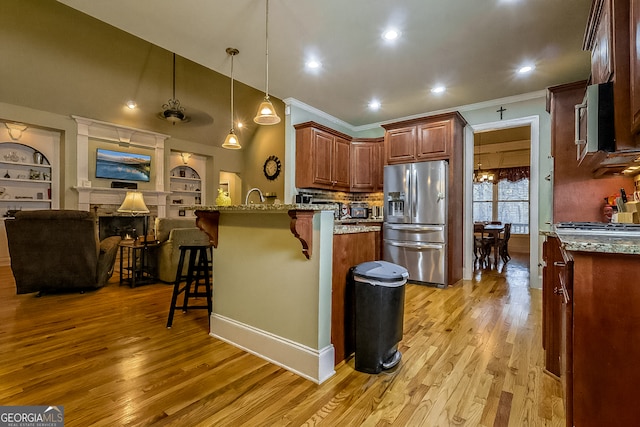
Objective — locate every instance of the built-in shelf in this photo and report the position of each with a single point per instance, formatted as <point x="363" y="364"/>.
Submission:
<point x="186" y="187"/>
<point x="24" y="183"/>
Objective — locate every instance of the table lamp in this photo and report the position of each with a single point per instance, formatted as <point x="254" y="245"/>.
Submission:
<point x="134" y="204"/>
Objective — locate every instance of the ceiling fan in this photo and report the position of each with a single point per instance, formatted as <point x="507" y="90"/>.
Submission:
<point x="172" y="110"/>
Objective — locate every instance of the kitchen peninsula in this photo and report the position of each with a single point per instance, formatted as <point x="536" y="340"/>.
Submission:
<point x="272" y="277"/>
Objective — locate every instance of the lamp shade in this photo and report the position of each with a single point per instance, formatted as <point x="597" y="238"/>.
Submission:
<point x="231" y="141"/>
<point x="133" y="203"/>
<point x="266" y="114"/>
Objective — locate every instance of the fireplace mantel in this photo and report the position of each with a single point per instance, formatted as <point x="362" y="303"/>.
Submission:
<point x="88" y="193"/>
<point x="88" y="196"/>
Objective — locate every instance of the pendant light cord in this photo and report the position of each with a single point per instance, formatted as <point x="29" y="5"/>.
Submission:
<point x="266" y="38"/>
<point x="232" y="55"/>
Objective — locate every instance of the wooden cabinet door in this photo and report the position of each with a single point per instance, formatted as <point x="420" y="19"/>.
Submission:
<point x="379" y="169"/>
<point x="363" y="164"/>
<point x="551" y="305"/>
<point x="341" y="164"/>
<point x="322" y="157"/>
<point x="634" y="46"/>
<point x="401" y="145"/>
<point x="601" y="54"/>
<point x="566" y="337"/>
<point x="433" y="140"/>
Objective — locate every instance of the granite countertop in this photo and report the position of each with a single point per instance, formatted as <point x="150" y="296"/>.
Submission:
<point x="349" y="229"/>
<point x="618" y="244"/>
<point x="358" y="221"/>
<point x="340" y="227"/>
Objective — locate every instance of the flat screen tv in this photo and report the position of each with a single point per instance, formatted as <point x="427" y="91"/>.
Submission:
<point x="121" y="165"/>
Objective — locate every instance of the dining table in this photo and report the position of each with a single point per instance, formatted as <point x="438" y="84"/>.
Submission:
<point x="494" y="231"/>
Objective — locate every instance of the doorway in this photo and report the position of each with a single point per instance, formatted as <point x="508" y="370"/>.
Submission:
<point x="533" y="123"/>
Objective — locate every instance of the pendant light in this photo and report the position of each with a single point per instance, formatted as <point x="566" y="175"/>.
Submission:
<point x="231" y="141"/>
<point x="172" y="110"/>
<point x="266" y="112"/>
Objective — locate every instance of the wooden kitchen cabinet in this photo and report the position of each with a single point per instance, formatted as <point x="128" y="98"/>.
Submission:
<point x="608" y="38"/>
<point x="551" y="304"/>
<point x="322" y="157"/>
<point x="366" y="169"/>
<point x="599" y="336"/>
<point x="401" y="145"/>
<point x="571" y="182"/>
<point x="434" y="140"/>
<point x="349" y="250"/>
<point x="422" y="139"/>
<point x="634" y="44"/>
<point x="602" y="49"/>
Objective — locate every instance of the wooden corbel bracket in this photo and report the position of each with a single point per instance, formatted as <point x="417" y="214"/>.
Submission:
<point x="302" y="228"/>
<point x="207" y="221"/>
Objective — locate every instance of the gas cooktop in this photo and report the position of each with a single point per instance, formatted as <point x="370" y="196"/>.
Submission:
<point x="598" y="228"/>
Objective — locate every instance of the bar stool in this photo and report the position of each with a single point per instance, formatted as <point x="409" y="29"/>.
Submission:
<point x="197" y="273"/>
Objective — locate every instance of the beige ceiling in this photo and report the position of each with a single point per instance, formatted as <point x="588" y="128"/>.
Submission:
<point x="471" y="46"/>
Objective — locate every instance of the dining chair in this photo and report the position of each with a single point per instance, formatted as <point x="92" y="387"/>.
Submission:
<point x="479" y="249"/>
<point x="503" y="243"/>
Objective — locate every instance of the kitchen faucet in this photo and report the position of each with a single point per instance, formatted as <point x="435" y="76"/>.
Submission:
<point x="246" y="199"/>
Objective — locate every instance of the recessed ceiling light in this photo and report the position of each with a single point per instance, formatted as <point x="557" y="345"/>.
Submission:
<point x="438" y="89"/>
<point x="239" y="125"/>
<point x="313" y="64"/>
<point x="131" y="104"/>
<point x="526" y="69"/>
<point x="374" y="105"/>
<point x="391" y="34"/>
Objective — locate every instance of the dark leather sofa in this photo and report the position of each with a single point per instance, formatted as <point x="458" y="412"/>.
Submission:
<point x="58" y="251"/>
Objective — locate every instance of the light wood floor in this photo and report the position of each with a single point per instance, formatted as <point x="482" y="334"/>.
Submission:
<point x="472" y="356"/>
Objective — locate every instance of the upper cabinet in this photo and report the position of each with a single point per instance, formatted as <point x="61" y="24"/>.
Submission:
<point x="401" y="144"/>
<point x="611" y="36"/>
<point x="322" y="157"/>
<point x="635" y="66"/>
<point x="428" y="138"/>
<point x="367" y="160"/>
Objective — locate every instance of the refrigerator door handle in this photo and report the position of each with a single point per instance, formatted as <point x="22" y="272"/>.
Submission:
<point x="408" y="227"/>
<point x="415" y="245"/>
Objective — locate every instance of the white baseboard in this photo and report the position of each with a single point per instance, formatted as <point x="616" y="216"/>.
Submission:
<point x="314" y="365"/>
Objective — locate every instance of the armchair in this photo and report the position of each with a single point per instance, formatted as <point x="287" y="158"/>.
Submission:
<point x="171" y="233"/>
<point x="58" y="251"/>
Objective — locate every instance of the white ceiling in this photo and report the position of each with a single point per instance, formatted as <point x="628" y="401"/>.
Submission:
<point x="471" y="46"/>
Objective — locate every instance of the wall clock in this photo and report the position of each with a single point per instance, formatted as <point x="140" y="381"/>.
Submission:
<point x="272" y="167"/>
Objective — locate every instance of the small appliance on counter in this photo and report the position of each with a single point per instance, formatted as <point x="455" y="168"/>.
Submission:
<point x="304" y="198"/>
<point x="359" y="210"/>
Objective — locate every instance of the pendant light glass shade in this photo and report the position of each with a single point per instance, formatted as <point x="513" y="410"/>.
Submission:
<point x="266" y="112"/>
<point x="232" y="142"/>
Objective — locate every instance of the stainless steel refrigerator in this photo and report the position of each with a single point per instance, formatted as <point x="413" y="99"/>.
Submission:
<point x="415" y="219"/>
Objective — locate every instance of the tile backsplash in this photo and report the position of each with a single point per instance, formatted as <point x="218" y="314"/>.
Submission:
<point x="373" y="199"/>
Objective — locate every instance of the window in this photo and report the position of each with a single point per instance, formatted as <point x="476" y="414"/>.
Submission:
<point x="507" y="202"/>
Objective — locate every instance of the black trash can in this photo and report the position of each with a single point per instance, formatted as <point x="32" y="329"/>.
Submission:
<point x="379" y="311"/>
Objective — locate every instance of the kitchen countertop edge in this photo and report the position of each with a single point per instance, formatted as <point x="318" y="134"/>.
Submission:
<point x="602" y="244"/>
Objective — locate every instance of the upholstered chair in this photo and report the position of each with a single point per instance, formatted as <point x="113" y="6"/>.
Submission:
<point x="58" y="251"/>
<point x="171" y="233"/>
